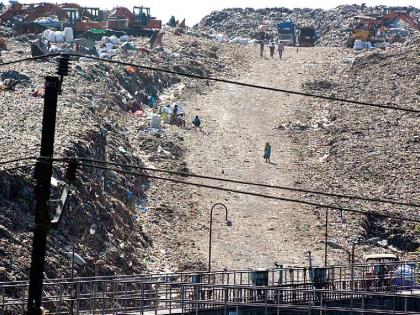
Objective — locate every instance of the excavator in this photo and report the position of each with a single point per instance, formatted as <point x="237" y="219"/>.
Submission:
<point x="390" y="17"/>
<point x="365" y="27"/>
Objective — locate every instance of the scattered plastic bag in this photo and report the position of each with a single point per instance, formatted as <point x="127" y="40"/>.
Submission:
<point x="125" y="38"/>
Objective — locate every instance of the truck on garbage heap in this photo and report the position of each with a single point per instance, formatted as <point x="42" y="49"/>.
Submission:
<point x="286" y="33"/>
<point x="307" y="36"/>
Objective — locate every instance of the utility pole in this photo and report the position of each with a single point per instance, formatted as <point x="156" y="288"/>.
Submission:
<point x="43" y="172"/>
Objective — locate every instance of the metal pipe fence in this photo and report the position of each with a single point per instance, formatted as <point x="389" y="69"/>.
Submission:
<point x="180" y="292"/>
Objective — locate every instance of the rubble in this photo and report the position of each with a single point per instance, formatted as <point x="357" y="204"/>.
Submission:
<point x="333" y="26"/>
<point x="367" y="151"/>
<point x="99" y="118"/>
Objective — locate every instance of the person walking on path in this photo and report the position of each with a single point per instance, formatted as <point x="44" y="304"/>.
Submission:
<point x="197" y="122"/>
<point x="280" y="48"/>
<point x="262" y="42"/>
<point x="272" y="48"/>
<point x="267" y="152"/>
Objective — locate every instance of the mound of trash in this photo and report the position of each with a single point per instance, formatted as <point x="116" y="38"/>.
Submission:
<point x="332" y="26"/>
<point x="105" y="112"/>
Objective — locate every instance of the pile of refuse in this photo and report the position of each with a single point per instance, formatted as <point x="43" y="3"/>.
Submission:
<point x="332" y="26"/>
<point x="367" y="151"/>
<point x="105" y="112"/>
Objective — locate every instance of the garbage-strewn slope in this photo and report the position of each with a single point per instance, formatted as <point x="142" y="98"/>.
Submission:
<point x="332" y="25"/>
<point x="362" y="150"/>
<point x="136" y="221"/>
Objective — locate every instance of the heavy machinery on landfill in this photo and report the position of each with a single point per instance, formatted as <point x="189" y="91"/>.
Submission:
<point x="390" y="17"/>
<point x="307" y="36"/>
<point x="286" y="33"/>
<point x="367" y="28"/>
<point x="136" y="22"/>
<point x="83" y="19"/>
<point x="364" y="27"/>
<point x="28" y="12"/>
<point x="120" y="18"/>
<point x="143" y="23"/>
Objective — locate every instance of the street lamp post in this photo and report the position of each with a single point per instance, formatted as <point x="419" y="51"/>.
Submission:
<point x="351" y="255"/>
<point x="92" y="231"/>
<point x="334" y="244"/>
<point x="228" y="223"/>
<point x="326" y="233"/>
<point x="73" y="237"/>
<point x="372" y="240"/>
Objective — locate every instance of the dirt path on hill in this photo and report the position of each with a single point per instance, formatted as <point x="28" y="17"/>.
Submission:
<point x="237" y="122"/>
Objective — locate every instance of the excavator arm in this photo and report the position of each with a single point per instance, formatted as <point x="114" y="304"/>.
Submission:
<point x="402" y="16"/>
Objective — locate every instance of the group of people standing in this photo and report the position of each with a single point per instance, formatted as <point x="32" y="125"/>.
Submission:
<point x="280" y="49"/>
<point x="271" y="45"/>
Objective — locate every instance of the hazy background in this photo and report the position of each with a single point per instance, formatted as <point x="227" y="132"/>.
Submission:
<point x="194" y="11"/>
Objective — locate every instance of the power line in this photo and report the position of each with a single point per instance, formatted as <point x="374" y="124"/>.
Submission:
<point x="395" y="217"/>
<point x="7" y="63"/>
<point x="199" y="77"/>
<point x="15" y="168"/>
<point x="248" y="183"/>
<point x="18" y="160"/>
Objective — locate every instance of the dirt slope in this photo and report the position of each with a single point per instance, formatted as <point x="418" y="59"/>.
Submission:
<point x="238" y="121"/>
<point x="316" y="144"/>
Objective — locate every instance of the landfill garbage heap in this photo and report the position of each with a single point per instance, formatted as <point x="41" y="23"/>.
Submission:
<point x="332" y="26"/>
<point x="103" y="113"/>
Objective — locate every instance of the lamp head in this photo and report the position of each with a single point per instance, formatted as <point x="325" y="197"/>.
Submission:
<point x="93" y="228"/>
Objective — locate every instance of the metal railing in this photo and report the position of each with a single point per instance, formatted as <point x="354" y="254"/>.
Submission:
<point x="182" y="292"/>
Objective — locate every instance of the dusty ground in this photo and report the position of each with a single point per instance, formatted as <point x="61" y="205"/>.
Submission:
<point x="237" y="122"/>
<point x="172" y="233"/>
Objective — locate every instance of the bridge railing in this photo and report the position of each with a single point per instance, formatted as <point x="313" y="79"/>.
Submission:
<point x="165" y="291"/>
<point x="197" y="298"/>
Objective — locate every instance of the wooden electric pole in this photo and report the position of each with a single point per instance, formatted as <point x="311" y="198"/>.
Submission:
<point x="43" y="172"/>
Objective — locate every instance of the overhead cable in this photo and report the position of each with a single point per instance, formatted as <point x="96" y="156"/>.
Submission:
<point x="200" y="77"/>
<point x="249" y="183"/>
<point x="309" y="203"/>
<point x="18" y="160"/>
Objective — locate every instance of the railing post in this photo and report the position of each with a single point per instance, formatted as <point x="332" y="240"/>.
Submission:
<point x="61" y="298"/>
<point x="156" y="302"/>
<point x="142" y="299"/>
<point x="225" y="311"/>
<point x="78" y="298"/>
<point x="104" y="289"/>
<point x="363" y="303"/>
<point x="197" y="297"/>
<point x="170" y="298"/>
<point x="125" y="296"/>
<point x="94" y="296"/>
<point x="321" y="300"/>
<point x="265" y="300"/>
<point x="182" y="299"/>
